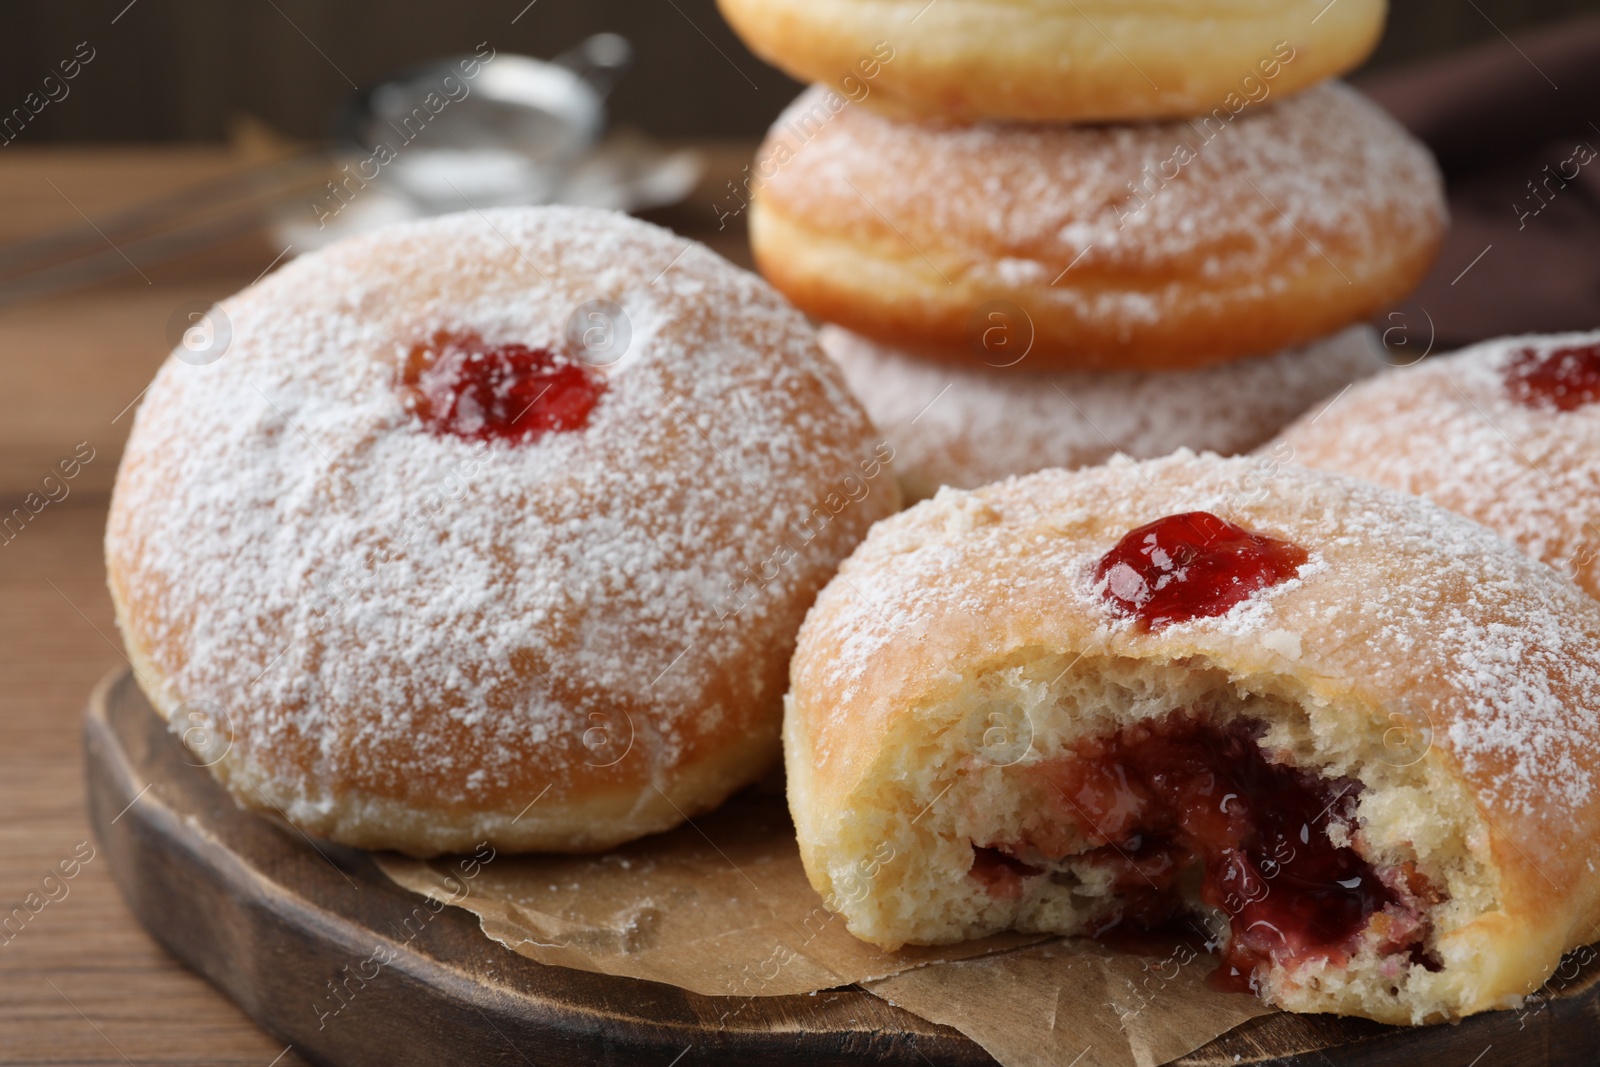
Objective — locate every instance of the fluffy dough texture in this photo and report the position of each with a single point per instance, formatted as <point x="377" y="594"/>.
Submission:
<point x="399" y="639"/>
<point x="1054" y="60"/>
<point x="1416" y="653"/>
<point x="1162" y="246"/>
<point x="966" y="428"/>
<point x="1451" y="430"/>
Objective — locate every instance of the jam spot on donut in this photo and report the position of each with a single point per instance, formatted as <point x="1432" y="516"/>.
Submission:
<point x="1162" y="801"/>
<point x="459" y="384"/>
<point x="1562" y="378"/>
<point x="1000" y="873"/>
<point x="1189" y="566"/>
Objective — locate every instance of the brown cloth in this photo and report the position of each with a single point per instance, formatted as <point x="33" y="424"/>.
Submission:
<point x="1516" y="126"/>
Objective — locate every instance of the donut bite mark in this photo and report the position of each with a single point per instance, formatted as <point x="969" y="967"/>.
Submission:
<point x="1346" y="735"/>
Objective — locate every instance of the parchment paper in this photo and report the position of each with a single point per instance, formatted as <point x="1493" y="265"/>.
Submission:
<point x="1076" y="1002"/>
<point x="721" y="907"/>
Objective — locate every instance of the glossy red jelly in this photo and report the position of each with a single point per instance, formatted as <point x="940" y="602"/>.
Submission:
<point x="458" y="384"/>
<point x="1189" y="566"/>
<point x="1561" y="378"/>
<point x="1000" y="873"/>
<point x="1160" y="800"/>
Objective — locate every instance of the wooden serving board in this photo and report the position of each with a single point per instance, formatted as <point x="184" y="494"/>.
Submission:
<point x="271" y="917"/>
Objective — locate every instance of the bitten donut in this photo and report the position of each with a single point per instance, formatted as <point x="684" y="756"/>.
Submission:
<point x="1350" y="736"/>
<point x="1163" y="246"/>
<point x="1058" y="60"/>
<point x="496" y="527"/>
<point x="966" y="428"/>
<point x="1507" y="433"/>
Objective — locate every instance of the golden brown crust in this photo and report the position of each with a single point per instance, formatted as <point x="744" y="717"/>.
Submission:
<point x="1408" y="620"/>
<point x="1451" y="430"/>
<point x="402" y="639"/>
<point x="1165" y="246"/>
<point x="1094" y="60"/>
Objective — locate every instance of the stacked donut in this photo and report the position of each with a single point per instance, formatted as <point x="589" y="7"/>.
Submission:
<point x="1044" y="235"/>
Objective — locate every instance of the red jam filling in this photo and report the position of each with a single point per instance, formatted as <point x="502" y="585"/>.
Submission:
<point x="1000" y="873"/>
<point x="459" y="384"/>
<point x="1561" y="378"/>
<point x="1190" y="566"/>
<point x="1167" y="803"/>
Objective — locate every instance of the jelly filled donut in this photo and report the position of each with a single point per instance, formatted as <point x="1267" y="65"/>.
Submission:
<point x="1163" y="246"/>
<point x="966" y="428"/>
<point x="496" y="527"/>
<point x="1506" y="432"/>
<point x="1058" y="60"/>
<point x="1352" y="736"/>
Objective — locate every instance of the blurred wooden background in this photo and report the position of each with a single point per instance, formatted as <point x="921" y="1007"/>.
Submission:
<point x="170" y="70"/>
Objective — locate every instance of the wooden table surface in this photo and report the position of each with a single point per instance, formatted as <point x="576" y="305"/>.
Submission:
<point x="80" y="982"/>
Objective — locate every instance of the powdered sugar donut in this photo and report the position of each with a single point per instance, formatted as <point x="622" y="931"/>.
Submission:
<point x="1058" y="60"/>
<point x="1506" y="432"/>
<point x="965" y="428"/>
<point x="496" y="527"/>
<point x="1159" y="246"/>
<point x="1352" y="736"/>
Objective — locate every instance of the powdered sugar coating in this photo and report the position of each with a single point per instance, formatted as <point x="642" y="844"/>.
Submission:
<point x="1451" y="430"/>
<point x="398" y="620"/>
<point x="964" y="428"/>
<point x="1324" y="164"/>
<point x="1404" y="608"/>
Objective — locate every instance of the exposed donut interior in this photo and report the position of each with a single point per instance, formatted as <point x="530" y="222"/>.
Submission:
<point x="1182" y="809"/>
<point x="1061" y="790"/>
